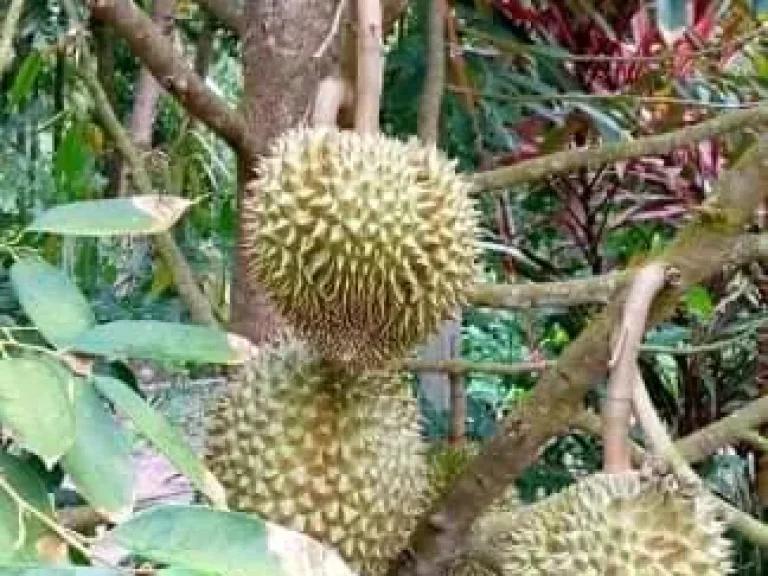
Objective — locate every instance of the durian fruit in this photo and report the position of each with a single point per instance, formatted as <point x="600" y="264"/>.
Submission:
<point x="366" y="243"/>
<point x="607" y="524"/>
<point x="337" y="456"/>
<point x="447" y="462"/>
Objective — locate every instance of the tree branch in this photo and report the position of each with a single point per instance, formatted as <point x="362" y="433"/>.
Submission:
<point x="186" y="283"/>
<point x="172" y="71"/>
<point x="369" y="66"/>
<point x="434" y="80"/>
<point x="699" y="251"/>
<point x="593" y="158"/>
<point x="576" y="292"/>
<point x="465" y="366"/>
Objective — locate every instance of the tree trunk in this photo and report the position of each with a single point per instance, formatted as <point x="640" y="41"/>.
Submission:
<point x="280" y="76"/>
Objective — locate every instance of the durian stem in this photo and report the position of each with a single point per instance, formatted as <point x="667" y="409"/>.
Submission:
<point x="369" y="66"/>
<point x="623" y="364"/>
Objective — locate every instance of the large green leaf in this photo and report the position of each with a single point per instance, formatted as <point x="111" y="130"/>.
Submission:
<point x="161" y="433"/>
<point x="100" y="462"/>
<point x="196" y="537"/>
<point x="162" y="341"/>
<point x="149" y="214"/>
<point x="51" y="300"/>
<point x="20" y="530"/>
<point x="36" y="404"/>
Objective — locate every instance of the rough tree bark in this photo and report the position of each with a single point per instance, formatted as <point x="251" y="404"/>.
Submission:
<point x="281" y="76"/>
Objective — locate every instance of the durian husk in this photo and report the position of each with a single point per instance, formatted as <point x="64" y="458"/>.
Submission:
<point x="366" y="243"/>
<point x="607" y="524"/>
<point x="316" y="449"/>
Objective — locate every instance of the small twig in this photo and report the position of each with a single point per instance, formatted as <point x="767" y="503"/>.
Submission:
<point x="618" y="408"/>
<point x="70" y="538"/>
<point x="323" y="48"/>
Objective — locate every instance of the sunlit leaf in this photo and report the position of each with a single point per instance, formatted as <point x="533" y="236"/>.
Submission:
<point x="113" y="217"/>
<point x="698" y="301"/>
<point x="25" y="78"/>
<point x="200" y="538"/>
<point x="36" y="404"/>
<point x="100" y="462"/>
<point x="20" y="530"/>
<point x="165" y="438"/>
<point x="162" y="341"/>
<point x="60" y="571"/>
<point x="55" y="305"/>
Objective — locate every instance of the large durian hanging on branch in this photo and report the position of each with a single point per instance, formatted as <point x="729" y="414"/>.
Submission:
<point x="625" y="524"/>
<point x="316" y="449"/>
<point x="365" y="242"/>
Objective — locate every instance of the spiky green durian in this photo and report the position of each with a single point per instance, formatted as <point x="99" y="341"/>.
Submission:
<point x="365" y="242"/>
<point x="607" y="524"/>
<point x="311" y="447"/>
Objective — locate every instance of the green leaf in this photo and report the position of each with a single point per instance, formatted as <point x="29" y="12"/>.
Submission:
<point x="16" y="546"/>
<point x="25" y="78"/>
<point x="100" y="462"/>
<point x="196" y="537"/>
<point x="149" y="214"/>
<point x="185" y="572"/>
<point x="73" y="163"/>
<point x="36" y="404"/>
<point x="51" y="300"/>
<point x="162" y="341"/>
<point x="158" y="430"/>
<point x="698" y="302"/>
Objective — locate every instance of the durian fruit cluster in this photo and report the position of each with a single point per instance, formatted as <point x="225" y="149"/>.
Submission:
<point x="365" y="244"/>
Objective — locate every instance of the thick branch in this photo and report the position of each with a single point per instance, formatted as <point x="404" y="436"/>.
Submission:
<point x="592" y="290"/>
<point x="434" y="80"/>
<point x="699" y="251"/>
<point x="172" y="71"/>
<point x="227" y="12"/>
<point x="593" y="158"/>
<point x="465" y="367"/>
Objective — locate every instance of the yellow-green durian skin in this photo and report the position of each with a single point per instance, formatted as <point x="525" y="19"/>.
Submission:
<point x="336" y="456"/>
<point x="604" y="525"/>
<point x="366" y="243"/>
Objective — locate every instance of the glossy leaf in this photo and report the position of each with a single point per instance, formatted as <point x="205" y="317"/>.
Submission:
<point x="165" y="437"/>
<point x="200" y="538"/>
<point x="162" y="341"/>
<point x="100" y="461"/>
<point x="59" y="571"/>
<point x="25" y="78"/>
<point x="149" y="214"/>
<point x="698" y="301"/>
<point x="55" y="305"/>
<point x="36" y="404"/>
<point x="20" y="530"/>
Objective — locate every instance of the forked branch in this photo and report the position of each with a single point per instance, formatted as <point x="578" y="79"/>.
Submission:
<point x="172" y="71"/>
